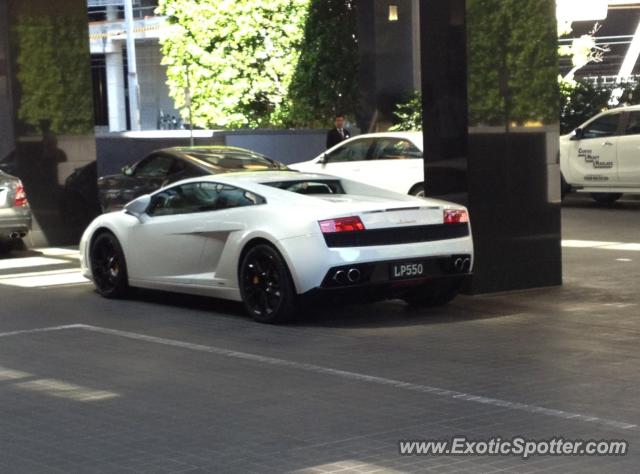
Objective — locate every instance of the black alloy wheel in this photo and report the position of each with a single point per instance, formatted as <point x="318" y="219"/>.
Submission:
<point x="108" y="266"/>
<point x="266" y="286"/>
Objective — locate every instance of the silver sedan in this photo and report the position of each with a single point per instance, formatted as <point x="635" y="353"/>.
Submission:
<point x="15" y="213"/>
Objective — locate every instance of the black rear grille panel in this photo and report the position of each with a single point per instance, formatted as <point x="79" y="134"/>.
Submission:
<point x="397" y="235"/>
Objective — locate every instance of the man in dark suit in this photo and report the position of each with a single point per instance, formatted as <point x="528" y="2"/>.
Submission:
<point x="339" y="133"/>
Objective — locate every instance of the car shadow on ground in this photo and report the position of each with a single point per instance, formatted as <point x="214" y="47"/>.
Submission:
<point x="187" y="301"/>
<point x="584" y="201"/>
<point x="393" y="313"/>
<point x="18" y="249"/>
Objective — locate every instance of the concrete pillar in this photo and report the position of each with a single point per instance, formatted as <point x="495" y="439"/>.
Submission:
<point x="415" y="38"/>
<point x="6" y="118"/>
<point x="479" y="152"/>
<point x="115" y="89"/>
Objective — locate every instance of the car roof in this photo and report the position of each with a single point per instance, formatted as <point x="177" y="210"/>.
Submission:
<point x="415" y="137"/>
<point x="195" y="155"/>
<point x="412" y="135"/>
<point x="625" y="108"/>
<point x="212" y="149"/>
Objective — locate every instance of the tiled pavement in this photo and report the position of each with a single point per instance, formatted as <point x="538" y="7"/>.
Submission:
<point x="167" y="383"/>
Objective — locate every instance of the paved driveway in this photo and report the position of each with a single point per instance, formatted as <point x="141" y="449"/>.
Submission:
<point x="169" y="383"/>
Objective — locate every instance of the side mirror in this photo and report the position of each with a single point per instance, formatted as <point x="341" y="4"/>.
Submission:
<point x="138" y="206"/>
<point x="127" y="170"/>
<point x="578" y="134"/>
<point x="323" y="159"/>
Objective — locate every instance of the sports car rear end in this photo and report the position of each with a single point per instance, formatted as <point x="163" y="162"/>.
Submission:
<point x="385" y="252"/>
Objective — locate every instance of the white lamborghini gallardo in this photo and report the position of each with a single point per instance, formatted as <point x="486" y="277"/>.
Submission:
<point x="276" y="239"/>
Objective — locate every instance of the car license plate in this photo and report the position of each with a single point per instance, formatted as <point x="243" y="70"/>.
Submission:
<point x="406" y="270"/>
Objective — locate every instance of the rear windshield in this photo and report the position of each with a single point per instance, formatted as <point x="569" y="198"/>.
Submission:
<point x="317" y="186"/>
<point x="238" y="161"/>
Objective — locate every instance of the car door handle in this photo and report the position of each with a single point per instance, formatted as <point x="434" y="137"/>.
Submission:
<point x="607" y="144"/>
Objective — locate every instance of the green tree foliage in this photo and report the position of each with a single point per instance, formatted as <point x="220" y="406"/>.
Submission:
<point x="584" y="99"/>
<point x="580" y="101"/>
<point x="53" y="74"/>
<point x="237" y="56"/>
<point x="409" y="114"/>
<point x="513" y="64"/>
<point x="326" y="78"/>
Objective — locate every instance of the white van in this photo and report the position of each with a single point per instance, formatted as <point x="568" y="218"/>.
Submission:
<point x="602" y="156"/>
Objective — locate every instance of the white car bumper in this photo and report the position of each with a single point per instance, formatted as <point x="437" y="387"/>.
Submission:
<point x="312" y="262"/>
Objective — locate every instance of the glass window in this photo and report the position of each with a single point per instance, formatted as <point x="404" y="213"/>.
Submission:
<point x="178" y="166"/>
<point x="633" y="126"/>
<point x="310" y="187"/>
<point x="357" y="150"/>
<point x="200" y="197"/>
<point x="605" y="126"/>
<point x="155" y="166"/>
<point x="395" y="149"/>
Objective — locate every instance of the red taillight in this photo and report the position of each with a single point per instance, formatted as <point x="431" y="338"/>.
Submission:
<point x="455" y="216"/>
<point x="342" y="224"/>
<point x="21" y="197"/>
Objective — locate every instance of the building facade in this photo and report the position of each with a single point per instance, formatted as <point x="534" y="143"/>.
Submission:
<point x="107" y="34"/>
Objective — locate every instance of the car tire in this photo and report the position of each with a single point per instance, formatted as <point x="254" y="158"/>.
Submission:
<point x="417" y="190"/>
<point x="433" y="294"/>
<point x="108" y="266"/>
<point x="266" y="286"/>
<point x="606" y="199"/>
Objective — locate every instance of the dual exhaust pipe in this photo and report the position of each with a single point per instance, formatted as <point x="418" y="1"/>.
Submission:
<point x="462" y="265"/>
<point x="16" y="235"/>
<point x="344" y="277"/>
<point x="353" y="275"/>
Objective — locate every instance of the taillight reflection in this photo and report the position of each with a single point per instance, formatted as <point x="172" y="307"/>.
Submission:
<point x="20" y="199"/>
<point x="342" y="224"/>
<point x="455" y="216"/>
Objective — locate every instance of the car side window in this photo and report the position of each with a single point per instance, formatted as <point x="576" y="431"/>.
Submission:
<point x="605" y="126"/>
<point x="200" y="197"/>
<point x="178" y="166"/>
<point x="633" y="125"/>
<point x="395" y="149"/>
<point x="154" y="166"/>
<point x="356" y="150"/>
